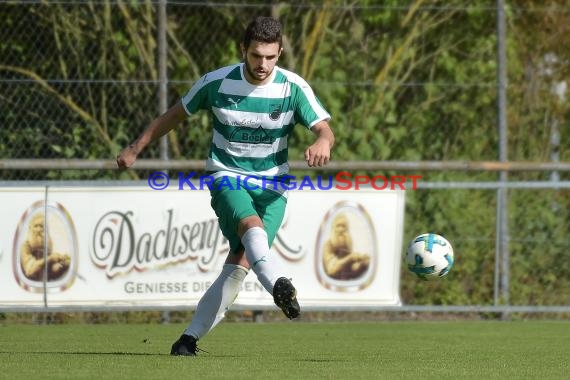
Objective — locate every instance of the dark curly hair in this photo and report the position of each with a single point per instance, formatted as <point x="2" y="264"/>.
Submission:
<point x="263" y="29"/>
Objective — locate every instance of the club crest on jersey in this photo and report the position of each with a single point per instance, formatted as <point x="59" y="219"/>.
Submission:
<point x="251" y="136"/>
<point x="275" y="111"/>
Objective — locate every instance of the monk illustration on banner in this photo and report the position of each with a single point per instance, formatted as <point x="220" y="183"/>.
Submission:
<point x="33" y="256"/>
<point x="339" y="260"/>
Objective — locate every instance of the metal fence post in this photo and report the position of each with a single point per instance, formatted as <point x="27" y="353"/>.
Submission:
<point x="46" y="247"/>
<point x="163" y="90"/>
<point x="502" y="201"/>
<point x="162" y="71"/>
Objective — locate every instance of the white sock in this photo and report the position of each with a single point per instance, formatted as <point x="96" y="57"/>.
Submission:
<point x="257" y="253"/>
<point x="216" y="301"/>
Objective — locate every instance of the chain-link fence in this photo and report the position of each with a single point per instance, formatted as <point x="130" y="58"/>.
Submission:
<point x="80" y="79"/>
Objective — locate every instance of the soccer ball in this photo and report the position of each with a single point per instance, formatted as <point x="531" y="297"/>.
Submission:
<point x="429" y="256"/>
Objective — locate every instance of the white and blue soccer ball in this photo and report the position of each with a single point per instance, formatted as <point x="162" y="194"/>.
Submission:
<point x="429" y="256"/>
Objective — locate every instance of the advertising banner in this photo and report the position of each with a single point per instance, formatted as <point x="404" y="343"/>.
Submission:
<point x="123" y="246"/>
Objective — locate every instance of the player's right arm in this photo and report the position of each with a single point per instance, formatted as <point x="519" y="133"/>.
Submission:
<point x="157" y="128"/>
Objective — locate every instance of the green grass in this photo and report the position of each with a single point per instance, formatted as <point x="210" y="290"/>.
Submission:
<point x="383" y="350"/>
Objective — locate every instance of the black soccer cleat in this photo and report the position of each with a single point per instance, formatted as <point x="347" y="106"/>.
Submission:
<point x="185" y="345"/>
<point x="285" y="296"/>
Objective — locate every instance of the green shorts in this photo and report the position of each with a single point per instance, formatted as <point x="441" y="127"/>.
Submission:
<point x="232" y="205"/>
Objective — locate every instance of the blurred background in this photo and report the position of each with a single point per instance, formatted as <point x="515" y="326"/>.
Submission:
<point x="413" y="81"/>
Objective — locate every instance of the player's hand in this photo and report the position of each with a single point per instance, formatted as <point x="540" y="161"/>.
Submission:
<point x="318" y="154"/>
<point x="127" y="157"/>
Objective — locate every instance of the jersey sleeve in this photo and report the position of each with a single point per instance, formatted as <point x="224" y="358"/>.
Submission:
<point x="308" y="108"/>
<point x="196" y="98"/>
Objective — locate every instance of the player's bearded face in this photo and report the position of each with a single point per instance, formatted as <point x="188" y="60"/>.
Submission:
<point x="260" y="59"/>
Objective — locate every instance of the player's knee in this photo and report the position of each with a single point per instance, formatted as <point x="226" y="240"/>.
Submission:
<point x="249" y="222"/>
<point x="238" y="259"/>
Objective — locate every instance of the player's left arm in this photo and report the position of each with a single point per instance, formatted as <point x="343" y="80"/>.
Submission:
<point x="319" y="153"/>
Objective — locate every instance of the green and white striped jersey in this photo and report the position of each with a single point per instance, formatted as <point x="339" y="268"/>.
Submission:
<point x="251" y="123"/>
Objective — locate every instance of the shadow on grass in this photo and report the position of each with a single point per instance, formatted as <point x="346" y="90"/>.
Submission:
<point x="83" y="353"/>
<point x="205" y="355"/>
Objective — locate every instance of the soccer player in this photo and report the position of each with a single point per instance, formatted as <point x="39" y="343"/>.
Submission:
<point x="254" y="106"/>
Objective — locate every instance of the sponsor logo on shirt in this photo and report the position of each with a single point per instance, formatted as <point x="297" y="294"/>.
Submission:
<point x="251" y="136"/>
<point x="275" y="112"/>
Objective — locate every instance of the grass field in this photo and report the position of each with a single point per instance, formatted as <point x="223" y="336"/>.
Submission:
<point x="289" y="350"/>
